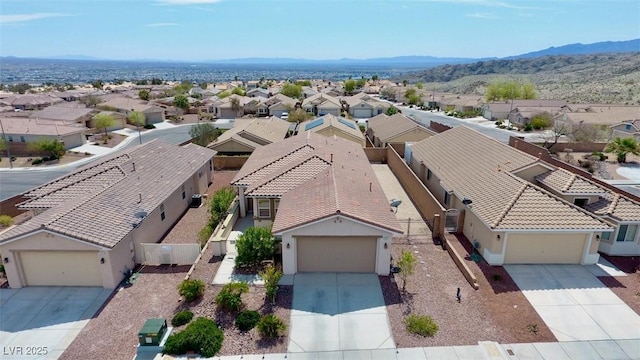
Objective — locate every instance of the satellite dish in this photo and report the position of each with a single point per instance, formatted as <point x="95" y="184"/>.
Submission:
<point x="395" y="203"/>
<point x="467" y="201"/>
<point x="140" y="214"/>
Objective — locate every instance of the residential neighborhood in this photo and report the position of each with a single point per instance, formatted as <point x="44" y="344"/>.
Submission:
<point x="336" y="217"/>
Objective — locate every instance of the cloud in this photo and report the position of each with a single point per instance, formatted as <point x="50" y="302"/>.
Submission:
<point x="7" y="19"/>
<point x="161" y="24"/>
<point x="187" y="2"/>
<point x="481" y="15"/>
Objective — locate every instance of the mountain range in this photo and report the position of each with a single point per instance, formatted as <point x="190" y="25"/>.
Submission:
<point x="411" y="61"/>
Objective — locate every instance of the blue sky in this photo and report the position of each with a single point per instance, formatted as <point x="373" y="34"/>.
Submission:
<point x="314" y="29"/>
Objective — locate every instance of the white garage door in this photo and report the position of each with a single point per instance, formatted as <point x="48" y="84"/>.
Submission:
<point x="61" y="268"/>
<point x="362" y="113"/>
<point x="544" y="249"/>
<point x="336" y="254"/>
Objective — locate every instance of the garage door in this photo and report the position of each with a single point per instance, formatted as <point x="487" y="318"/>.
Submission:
<point x="544" y="249"/>
<point x="61" y="268"/>
<point x="336" y="254"/>
<point x="362" y="113"/>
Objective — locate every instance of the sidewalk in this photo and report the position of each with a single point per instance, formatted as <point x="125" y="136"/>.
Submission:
<point x="485" y="350"/>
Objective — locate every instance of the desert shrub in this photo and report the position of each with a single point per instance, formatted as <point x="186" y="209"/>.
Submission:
<point x="254" y="246"/>
<point x="422" y="325"/>
<point x="599" y="155"/>
<point x="496" y="277"/>
<point x="201" y="336"/>
<point x="247" y="320"/>
<point x="230" y="297"/>
<point x="36" y="161"/>
<point x="271" y="326"/>
<point x="181" y="318"/>
<point x="2" y="270"/>
<point x="528" y="127"/>
<point x="540" y="121"/>
<point x="271" y="277"/>
<point x="204" y="234"/>
<point x="191" y="289"/>
<point x="149" y="126"/>
<point x="6" y="220"/>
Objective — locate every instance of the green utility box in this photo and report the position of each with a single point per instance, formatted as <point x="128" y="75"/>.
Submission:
<point x="152" y="332"/>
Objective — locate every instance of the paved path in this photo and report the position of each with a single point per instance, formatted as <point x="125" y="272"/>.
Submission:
<point x="574" y="304"/>
<point x="338" y="311"/>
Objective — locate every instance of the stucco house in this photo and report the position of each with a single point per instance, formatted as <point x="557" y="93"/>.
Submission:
<point x="224" y="108"/>
<point x="383" y="130"/>
<point x="246" y="135"/>
<point x="500" y="109"/>
<point x="30" y="101"/>
<point x="119" y="118"/>
<point x="279" y="104"/>
<point x="322" y="104"/>
<point x="347" y="225"/>
<point x="329" y="125"/>
<point x="602" y="117"/>
<point x="19" y="132"/>
<point x="71" y="116"/>
<point x="617" y="210"/>
<point x="153" y="114"/>
<point x="630" y="128"/>
<point x="88" y="226"/>
<point x="362" y="106"/>
<point x="491" y="195"/>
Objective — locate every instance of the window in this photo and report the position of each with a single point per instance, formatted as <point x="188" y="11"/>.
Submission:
<point x="606" y="236"/>
<point x="264" y="208"/>
<point x="581" y="201"/>
<point x="210" y="165"/>
<point x="428" y="174"/>
<point x="627" y="127"/>
<point x="276" y="203"/>
<point x="162" y="214"/>
<point x="446" y="198"/>
<point x="10" y="138"/>
<point x="184" y="194"/>
<point x="22" y="138"/>
<point x="627" y="233"/>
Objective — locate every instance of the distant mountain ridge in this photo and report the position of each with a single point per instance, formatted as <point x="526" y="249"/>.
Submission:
<point x="401" y="61"/>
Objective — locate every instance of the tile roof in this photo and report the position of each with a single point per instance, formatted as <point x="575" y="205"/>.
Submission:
<point x="387" y="127"/>
<point x="128" y="104"/>
<point x="610" y="115"/>
<point x="322" y="175"/>
<point x="255" y="132"/>
<point x="615" y="206"/>
<point x="479" y="168"/>
<point x="98" y="203"/>
<point x="335" y="122"/>
<point x="62" y="113"/>
<point x="26" y="126"/>
<point x="565" y="182"/>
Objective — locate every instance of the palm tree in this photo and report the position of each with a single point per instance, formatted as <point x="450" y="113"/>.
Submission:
<point x="623" y="146"/>
<point x="235" y="104"/>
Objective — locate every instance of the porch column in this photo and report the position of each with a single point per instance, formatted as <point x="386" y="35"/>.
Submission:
<point x="243" y="202"/>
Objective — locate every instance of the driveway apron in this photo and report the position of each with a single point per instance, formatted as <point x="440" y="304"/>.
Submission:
<point x="338" y="311"/>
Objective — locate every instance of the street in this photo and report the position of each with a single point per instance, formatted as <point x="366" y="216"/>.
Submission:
<point x="13" y="182"/>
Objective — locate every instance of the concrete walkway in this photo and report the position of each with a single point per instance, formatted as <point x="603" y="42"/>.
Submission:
<point x="574" y="304"/>
<point x="576" y="350"/>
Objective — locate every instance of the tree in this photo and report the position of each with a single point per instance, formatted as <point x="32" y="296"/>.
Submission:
<point x="349" y="86"/>
<point x="374" y="77"/>
<point x="98" y="84"/>
<point x="203" y="134"/>
<point x="224" y="94"/>
<point x="392" y="110"/>
<point x="181" y="101"/>
<point x="254" y="246"/>
<point x="90" y="100"/>
<point x="509" y="90"/>
<point x="404" y="82"/>
<point x="238" y="91"/>
<point x="291" y="90"/>
<point x="298" y="115"/>
<point x="235" y="105"/>
<point x="104" y="121"/>
<point x="52" y="146"/>
<point x="419" y="86"/>
<point x="143" y="94"/>
<point x="622" y="147"/>
<point x="407" y="265"/>
<point x="137" y="118"/>
<point x="204" y="85"/>
<point x="271" y="276"/>
<point x="541" y="121"/>
<point x="156" y="81"/>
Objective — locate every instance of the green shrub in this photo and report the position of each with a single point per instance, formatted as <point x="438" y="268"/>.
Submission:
<point x="247" y="320"/>
<point x="540" y="121"/>
<point x="230" y="297"/>
<point x="2" y="270"/>
<point x="600" y="155"/>
<point x="422" y="325"/>
<point x="271" y="326"/>
<point x="201" y="336"/>
<point x="204" y="234"/>
<point x="149" y="126"/>
<point x="528" y="127"/>
<point x="36" y="161"/>
<point x="6" y="220"/>
<point x="181" y="318"/>
<point x="191" y="289"/>
<point x="497" y="277"/>
<point x="271" y="277"/>
<point x="254" y="246"/>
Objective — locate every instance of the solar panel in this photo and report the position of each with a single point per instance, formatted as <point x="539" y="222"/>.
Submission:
<point x="314" y="123"/>
<point x="347" y="122"/>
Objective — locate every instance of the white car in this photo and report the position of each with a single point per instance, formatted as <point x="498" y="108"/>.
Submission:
<point x="284" y="116"/>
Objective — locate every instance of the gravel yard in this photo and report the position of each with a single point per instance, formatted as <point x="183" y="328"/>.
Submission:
<point x="497" y="311"/>
<point x="626" y="287"/>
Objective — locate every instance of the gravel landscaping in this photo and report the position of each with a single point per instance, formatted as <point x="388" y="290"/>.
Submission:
<point x="626" y="287"/>
<point x="498" y="311"/>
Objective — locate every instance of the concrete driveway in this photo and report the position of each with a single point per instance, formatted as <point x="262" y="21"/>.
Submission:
<point x="340" y="311"/>
<point x="574" y="304"/>
<point x="40" y="322"/>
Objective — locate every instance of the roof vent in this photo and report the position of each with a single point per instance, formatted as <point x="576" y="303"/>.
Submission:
<point x="134" y="166"/>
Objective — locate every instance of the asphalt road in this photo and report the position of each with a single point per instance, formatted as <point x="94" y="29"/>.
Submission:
<point x="13" y="182"/>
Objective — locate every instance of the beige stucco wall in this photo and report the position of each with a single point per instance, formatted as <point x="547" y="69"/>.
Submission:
<point x="530" y="173"/>
<point x="117" y="260"/>
<point x="475" y="230"/>
<point x="73" y="140"/>
<point x="336" y="226"/>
